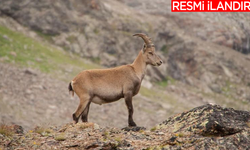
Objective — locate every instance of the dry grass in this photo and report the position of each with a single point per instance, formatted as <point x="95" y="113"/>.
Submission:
<point x="43" y="131"/>
<point x="5" y="130"/>
<point x="83" y="126"/>
<point x="60" y="137"/>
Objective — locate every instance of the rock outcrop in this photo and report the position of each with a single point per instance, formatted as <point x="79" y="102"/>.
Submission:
<point x="204" y="127"/>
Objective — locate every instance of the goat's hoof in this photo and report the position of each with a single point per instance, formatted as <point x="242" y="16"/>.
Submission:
<point x="132" y="124"/>
<point x="75" y="118"/>
<point x="84" y="120"/>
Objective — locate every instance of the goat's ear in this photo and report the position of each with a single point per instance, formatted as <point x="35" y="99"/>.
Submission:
<point x="144" y="48"/>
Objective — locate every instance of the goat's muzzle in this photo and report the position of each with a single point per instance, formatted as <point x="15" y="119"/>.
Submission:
<point x="159" y="63"/>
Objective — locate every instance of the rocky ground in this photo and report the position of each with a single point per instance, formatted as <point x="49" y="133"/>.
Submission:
<point x="214" y="128"/>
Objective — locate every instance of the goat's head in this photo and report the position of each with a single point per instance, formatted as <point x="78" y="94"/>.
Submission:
<point x="149" y="54"/>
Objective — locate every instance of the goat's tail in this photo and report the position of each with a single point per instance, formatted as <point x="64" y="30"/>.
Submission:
<point x="71" y="88"/>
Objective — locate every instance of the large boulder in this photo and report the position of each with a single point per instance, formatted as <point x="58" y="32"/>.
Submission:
<point x="209" y="127"/>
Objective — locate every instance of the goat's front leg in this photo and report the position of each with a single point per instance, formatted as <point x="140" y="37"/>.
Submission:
<point x="128" y="100"/>
<point x="85" y="113"/>
<point x="84" y="101"/>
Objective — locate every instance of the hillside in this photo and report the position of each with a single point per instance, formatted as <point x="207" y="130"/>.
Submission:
<point x="212" y="48"/>
<point x="44" y="44"/>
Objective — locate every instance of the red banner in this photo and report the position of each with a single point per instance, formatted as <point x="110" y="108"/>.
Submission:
<point x="210" y="5"/>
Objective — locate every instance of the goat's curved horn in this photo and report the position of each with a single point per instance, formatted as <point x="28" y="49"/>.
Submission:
<point x="145" y="38"/>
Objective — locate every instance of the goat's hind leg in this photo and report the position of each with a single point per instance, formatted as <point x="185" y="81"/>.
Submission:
<point x="84" y="102"/>
<point x="85" y="113"/>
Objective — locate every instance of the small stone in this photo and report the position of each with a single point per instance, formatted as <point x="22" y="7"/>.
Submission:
<point x="215" y="88"/>
<point x="30" y="71"/>
<point x="135" y="129"/>
<point x="160" y="133"/>
<point x="7" y="38"/>
<point x="96" y="126"/>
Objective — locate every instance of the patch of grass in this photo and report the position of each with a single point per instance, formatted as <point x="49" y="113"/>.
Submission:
<point x="118" y="139"/>
<point x="38" y="130"/>
<point x="179" y="134"/>
<point x="96" y="60"/>
<point x="60" y="137"/>
<point x="27" y="52"/>
<point x="42" y="131"/>
<point x="166" y="82"/>
<point x="164" y="49"/>
<point x="96" y="31"/>
<point x="86" y="125"/>
<point x="71" y="39"/>
<point x="163" y="83"/>
<point x="153" y="129"/>
<point x="47" y="37"/>
<point x="149" y="148"/>
<point x="5" y="130"/>
<point x="226" y="90"/>
<point x="248" y="84"/>
<point x="106" y="135"/>
<point x="171" y="80"/>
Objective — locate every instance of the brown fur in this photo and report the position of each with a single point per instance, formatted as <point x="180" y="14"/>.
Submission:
<point x="108" y="85"/>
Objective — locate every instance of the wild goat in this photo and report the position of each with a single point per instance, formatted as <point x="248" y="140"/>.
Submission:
<point x="102" y="86"/>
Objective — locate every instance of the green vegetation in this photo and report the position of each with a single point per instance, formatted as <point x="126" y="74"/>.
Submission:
<point x="153" y="129"/>
<point x="60" y="137"/>
<point x="71" y="39"/>
<point x="179" y="134"/>
<point x="166" y="82"/>
<point x="154" y="148"/>
<point x="18" y="49"/>
<point x="163" y="83"/>
<point x="86" y="125"/>
<point x="96" y="60"/>
<point x="5" y="130"/>
<point x="47" y="37"/>
<point x="96" y="31"/>
<point x="118" y="139"/>
<point x="105" y="135"/>
<point x="43" y="131"/>
<point x="227" y="88"/>
<point x="164" y="49"/>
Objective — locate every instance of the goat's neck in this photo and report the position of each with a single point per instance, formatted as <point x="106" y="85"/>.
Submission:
<point x="140" y="66"/>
